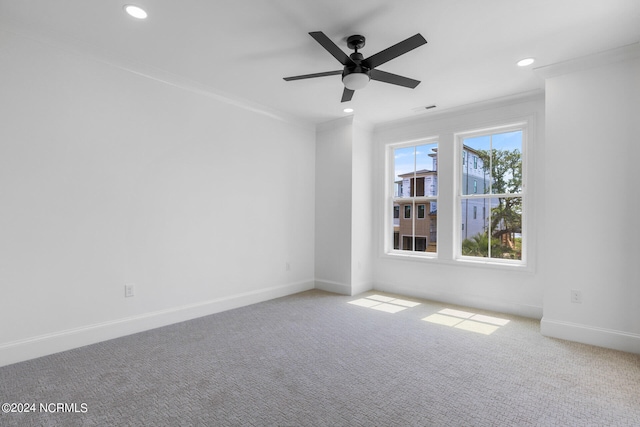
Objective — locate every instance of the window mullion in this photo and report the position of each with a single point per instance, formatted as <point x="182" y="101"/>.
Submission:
<point x="491" y="193"/>
<point x="413" y="201"/>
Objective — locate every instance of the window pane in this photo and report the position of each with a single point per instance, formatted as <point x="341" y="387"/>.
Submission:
<point x="433" y="233"/>
<point x="506" y="163"/>
<point x="404" y="162"/>
<point x="474" y="234"/>
<point x="475" y="165"/>
<point x="506" y="228"/>
<point x="395" y="229"/>
<point x="405" y="228"/>
<point x="415" y="175"/>
<point x="426" y="170"/>
<point x="504" y="223"/>
<point x="415" y="171"/>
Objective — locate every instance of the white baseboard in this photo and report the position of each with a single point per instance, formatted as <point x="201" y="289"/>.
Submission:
<point x="31" y="348"/>
<point x="335" y="287"/>
<point x="601" y="337"/>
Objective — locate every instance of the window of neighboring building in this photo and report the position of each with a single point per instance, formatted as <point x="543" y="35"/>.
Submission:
<point x="421" y="211"/>
<point x="498" y="233"/>
<point x="396" y="212"/>
<point x="407" y="243"/>
<point x="421" y="244"/>
<point x="415" y="182"/>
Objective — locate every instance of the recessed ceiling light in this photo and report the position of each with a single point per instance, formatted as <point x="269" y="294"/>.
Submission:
<point x="525" y="62"/>
<point x="348" y="110"/>
<point x="135" y="11"/>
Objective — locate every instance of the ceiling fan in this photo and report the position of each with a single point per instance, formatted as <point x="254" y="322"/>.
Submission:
<point x="357" y="71"/>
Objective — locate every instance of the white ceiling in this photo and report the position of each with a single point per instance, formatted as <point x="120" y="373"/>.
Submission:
<point x="243" y="48"/>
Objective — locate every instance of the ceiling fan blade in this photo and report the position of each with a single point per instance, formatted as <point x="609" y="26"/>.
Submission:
<point x="347" y="95"/>
<point x="394" y="51"/>
<point x="331" y="47"/>
<point x="310" y="76"/>
<point x="394" y="79"/>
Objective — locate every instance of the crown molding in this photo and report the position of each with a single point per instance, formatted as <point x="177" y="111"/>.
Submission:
<point x="81" y="49"/>
<point x="623" y="53"/>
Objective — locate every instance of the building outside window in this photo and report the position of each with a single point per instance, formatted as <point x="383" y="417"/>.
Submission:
<point x="497" y="234"/>
<point x="415" y="187"/>
<point x="488" y="209"/>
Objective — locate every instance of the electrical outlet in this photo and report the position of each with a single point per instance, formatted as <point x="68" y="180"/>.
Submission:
<point x="129" y="291"/>
<point x="576" y="296"/>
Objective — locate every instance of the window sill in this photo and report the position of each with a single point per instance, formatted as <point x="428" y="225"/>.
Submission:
<point x="401" y="255"/>
<point x="460" y="262"/>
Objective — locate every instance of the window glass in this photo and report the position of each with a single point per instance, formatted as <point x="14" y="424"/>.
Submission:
<point x="506" y="163"/>
<point x="474" y="174"/>
<point x="415" y="186"/>
<point x="490" y="197"/>
<point x="497" y="233"/>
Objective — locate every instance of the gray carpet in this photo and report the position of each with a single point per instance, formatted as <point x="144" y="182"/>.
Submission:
<point x="315" y="359"/>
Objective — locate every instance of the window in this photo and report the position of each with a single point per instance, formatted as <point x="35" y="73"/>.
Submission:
<point x="421" y="210"/>
<point x="498" y="233"/>
<point x="415" y="184"/>
<point x="483" y="202"/>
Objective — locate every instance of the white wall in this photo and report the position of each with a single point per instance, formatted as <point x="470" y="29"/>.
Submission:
<point x="343" y="250"/>
<point x="506" y="289"/>
<point x="362" y="209"/>
<point x="109" y="178"/>
<point x="334" y="145"/>
<point x="592" y="224"/>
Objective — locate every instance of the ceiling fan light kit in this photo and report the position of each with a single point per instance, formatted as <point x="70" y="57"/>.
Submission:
<point x="358" y="71"/>
<point x="355" y="80"/>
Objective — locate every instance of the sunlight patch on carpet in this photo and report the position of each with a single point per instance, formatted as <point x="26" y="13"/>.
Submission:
<point x="467" y="321"/>
<point x="384" y="303"/>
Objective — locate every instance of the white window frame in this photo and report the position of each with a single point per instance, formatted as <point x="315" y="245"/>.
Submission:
<point x="523" y="126"/>
<point x="390" y="199"/>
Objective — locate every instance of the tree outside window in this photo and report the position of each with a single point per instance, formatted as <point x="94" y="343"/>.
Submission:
<point x="499" y="165"/>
